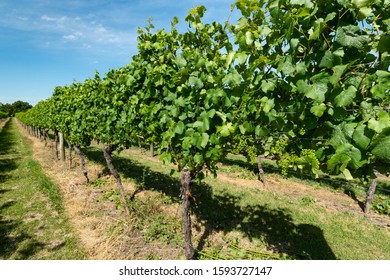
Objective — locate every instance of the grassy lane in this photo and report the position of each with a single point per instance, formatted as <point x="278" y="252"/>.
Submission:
<point x="32" y="221"/>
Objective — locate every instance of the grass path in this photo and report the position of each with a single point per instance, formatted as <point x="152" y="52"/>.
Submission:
<point x="32" y="221"/>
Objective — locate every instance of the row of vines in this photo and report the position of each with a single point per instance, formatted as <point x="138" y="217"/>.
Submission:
<point x="304" y="81"/>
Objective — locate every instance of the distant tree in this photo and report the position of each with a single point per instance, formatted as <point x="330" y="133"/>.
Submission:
<point x="16" y="107"/>
<point x="6" y="108"/>
<point x="3" y="115"/>
<point x="19" y="106"/>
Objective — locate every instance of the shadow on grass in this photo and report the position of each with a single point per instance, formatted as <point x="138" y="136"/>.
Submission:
<point x="225" y="213"/>
<point x="228" y="212"/>
<point x="7" y="138"/>
<point x="350" y="188"/>
<point x="7" y="164"/>
<point x="14" y="243"/>
<point x="21" y="246"/>
<point x="383" y="187"/>
<point x="270" y="168"/>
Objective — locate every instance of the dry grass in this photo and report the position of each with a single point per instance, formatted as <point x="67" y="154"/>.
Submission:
<point x="3" y="122"/>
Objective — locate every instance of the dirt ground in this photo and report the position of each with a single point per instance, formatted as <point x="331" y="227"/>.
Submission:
<point x="3" y="122"/>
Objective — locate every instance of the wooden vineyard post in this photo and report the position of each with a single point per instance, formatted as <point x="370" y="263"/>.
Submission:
<point x="62" y="146"/>
<point x="370" y="195"/>
<point x="69" y="153"/>
<point x="108" y="150"/>
<point x="186" y="180"/>
<point x="261" y="171"/>
<point x="151" y="150"/>
<point x="56" y="143"/>
<point x="82" y="162"/>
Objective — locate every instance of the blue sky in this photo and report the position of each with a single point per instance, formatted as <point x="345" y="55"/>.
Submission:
<point x="46" y="43"/>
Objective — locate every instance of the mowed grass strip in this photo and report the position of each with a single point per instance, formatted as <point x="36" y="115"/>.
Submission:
<point x="33" y="224"/>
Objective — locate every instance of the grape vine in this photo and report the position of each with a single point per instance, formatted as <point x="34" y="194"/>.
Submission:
<point x="287" y="72"/>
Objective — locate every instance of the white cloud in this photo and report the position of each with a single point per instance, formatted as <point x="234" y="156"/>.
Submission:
<point x="73" y="37"/>
<point x="47" y="18"/>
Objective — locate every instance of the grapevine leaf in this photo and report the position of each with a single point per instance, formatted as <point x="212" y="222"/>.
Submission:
<point x="384" y="44"/>
<point x="381" y="146"/>
<point x="249" y="38"/>
<point x="241" y="57"/>
<point x="206" y="121"/>
<point x="241" y="23"/>
<point x="267" y="85"/>
<point x="338" y="138"/>
<point x="365" y="12"/>
<point x="385" y="75"/>
<point x="186" y="143"/>
<point x="349" y="36"/>
<point x="330" y="16"/>
<point x="242" y="129"/>
<point x="317" y="92"/>
<point x="166" y="158"/>
<point x="198" y="158"/>
<point x="362" y="136"/>
<point x="315" y="31"/>
<point x="338" y="71"/>
<point x="306" y="3"/>
<point x="346" y="97"/>
<point x="336" y="160"/>
<point x="345" y="155"/>
<point x="360" y="3"/>
<point x="286" y="66"/>
<point x="265" y="31"/>
<point x="229" y="58"/>
<point x="348" y="129"/>
<point x="267" y="104"/>
<point x="179" y="128"/>
<point x="180" y="101"/>
<point x="301" y="68"/>
<point x="196" y="82"/>
<point x="347" y="174"/>
<point x="232" y="79"/>
<point x="318" y="110"/>
<point x="205" y="140"/>
<point x="294" y="43"/>
<point x="381" y="123"/>
<point x="226" y="129"/>
<point x="180" y="61"/>
<point x="327" y="60"/>
<point x="261" y="131"/>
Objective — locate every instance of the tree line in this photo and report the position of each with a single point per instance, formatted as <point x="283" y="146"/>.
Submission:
<point x="9" y="110"/>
